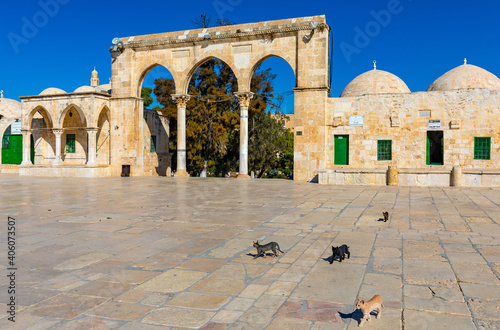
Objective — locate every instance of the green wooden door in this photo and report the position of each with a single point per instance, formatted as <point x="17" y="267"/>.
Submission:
<point x="341" y="149"/>
<point x="12" y="149"/>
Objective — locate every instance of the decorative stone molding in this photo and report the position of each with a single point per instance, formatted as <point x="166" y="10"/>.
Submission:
<point x="244" y="98"/>
<point x="181" y="99"/>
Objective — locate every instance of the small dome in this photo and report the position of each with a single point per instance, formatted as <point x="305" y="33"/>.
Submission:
<point x="52" y="91"/>
<point x="465" y="76"/>
<point x="10" y="108"/>
<point x="105" y="86"/>
<point x="82" y="89"/>
<point x="375" y="82"/>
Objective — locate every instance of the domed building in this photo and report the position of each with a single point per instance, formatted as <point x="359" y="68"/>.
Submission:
<point x="379" y="132"/>
<point x="70" y="133"/>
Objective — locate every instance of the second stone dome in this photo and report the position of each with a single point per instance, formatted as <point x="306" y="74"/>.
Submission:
<point x="375" y="82"/>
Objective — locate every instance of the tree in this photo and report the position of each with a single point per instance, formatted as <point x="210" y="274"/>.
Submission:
<point x="267" y="140"/>
<point x="146" y="96"/>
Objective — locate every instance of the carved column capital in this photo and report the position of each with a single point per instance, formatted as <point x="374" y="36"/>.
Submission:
<point x="181" y="99"/>
<point x="26" y="131"/>
<point x="57" y="131"/>
<point x="244" y="98"/>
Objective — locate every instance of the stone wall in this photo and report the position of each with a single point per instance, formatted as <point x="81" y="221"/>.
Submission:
<point x="404" y="119"/>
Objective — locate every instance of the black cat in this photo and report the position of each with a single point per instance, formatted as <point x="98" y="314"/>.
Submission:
<point x="386" y="216"/>
<point x="340" y="251"/>
<point x="266" y="247"/>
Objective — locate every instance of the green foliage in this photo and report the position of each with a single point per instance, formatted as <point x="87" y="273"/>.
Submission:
<point x="267" y="142"/>
<point x="146" y="96"/>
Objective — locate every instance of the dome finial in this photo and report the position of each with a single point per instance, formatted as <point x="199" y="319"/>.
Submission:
<point x="1" y="92"/>
<point x="374" y="65"/>
<point x="465" y="61"/>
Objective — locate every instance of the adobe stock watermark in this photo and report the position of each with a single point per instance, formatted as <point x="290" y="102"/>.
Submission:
<point x="372" y="29"/>
<point x="223" y="6"/>
<point x="30" y="27"/>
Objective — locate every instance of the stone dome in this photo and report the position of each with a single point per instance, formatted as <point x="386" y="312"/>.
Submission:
<point x="82" y="89"/>
<point x="466" y="76"/>
<point x="10" y="108"/>
<point x="52" y="91"/>
<point x="375" y="82"/>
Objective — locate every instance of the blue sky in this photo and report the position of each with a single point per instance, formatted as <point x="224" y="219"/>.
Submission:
<point x="57" y="43"/>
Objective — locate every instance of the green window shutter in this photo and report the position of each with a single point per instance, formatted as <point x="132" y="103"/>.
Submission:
<point x="6" y="142"/>
<point x="70" y="143"/>
<point x="384" y="150"/>
<point x="152" y="147"/>
<point x="482" y="147"/>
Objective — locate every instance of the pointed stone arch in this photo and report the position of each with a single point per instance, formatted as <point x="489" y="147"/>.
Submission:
<point x="43" y="112"/>
<point x="146" y="69"/>
<point x="196" y="65"/>
<point x="258" y="60"/>
<point x="63" y="114"/>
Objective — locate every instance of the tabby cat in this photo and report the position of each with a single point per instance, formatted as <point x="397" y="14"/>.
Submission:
<point x="266" y="247"/>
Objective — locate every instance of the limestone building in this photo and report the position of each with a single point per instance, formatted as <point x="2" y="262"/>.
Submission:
<point x="71" y="134"/>
<point x="376" y="132"/>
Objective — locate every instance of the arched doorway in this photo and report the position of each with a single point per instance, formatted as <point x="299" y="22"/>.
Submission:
<point x="74" y="139"/>
<point x="159" y="115"/>
<point x="42" y="138"/>
<point x="103" y="137"/>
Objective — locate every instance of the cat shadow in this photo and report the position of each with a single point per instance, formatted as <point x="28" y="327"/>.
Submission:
<point x="329" y="259"/>
<point x="382" y="219"/>
<point x="267" y="255"/>
<point x="356" y="315"/>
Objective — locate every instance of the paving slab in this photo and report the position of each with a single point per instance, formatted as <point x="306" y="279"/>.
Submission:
<point x="181" y="254"/>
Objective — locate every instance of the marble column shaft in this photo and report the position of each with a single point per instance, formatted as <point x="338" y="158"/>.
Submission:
<point x="244" y="99"/>
<point x="92" y="132"/>
<point x="181" y="100"/>
<point x="26" y="147"/>
<point x="57" y="132"/>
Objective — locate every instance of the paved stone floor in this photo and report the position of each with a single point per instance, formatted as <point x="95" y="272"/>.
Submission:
<point x="156" y="253"/>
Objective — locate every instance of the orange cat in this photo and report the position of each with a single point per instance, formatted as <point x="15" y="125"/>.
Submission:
<point x="367" y="307"/>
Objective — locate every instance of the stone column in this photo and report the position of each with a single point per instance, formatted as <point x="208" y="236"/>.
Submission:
<point x="244" y="99"/>
<point x="26" y="147"/>
<point x="92" y="146"/>
<point x="181" y="100"/>
<point x="57" y="133"/>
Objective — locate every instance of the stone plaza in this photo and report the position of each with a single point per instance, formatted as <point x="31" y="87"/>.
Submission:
<point x="164" y="252"/>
